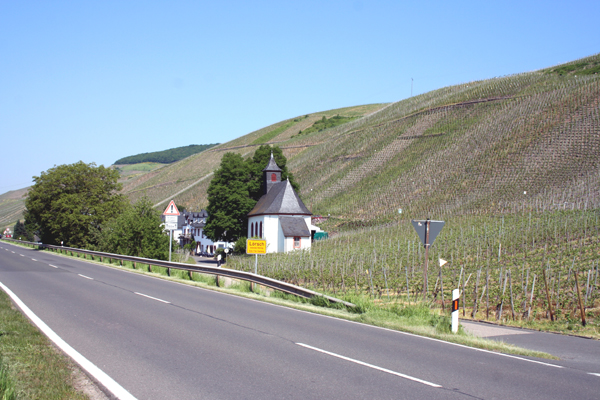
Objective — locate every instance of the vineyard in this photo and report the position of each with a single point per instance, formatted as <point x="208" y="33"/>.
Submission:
<point x="511" y="164"/>
<point x="519" y="266"/>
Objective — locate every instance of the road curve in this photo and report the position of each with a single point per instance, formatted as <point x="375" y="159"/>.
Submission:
<point x="163" y="340"/>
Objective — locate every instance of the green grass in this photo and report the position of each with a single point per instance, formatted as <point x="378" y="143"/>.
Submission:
<point x="31" y="367"/>
<point x="275" y="132"/>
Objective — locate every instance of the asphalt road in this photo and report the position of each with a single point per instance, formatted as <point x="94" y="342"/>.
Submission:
<point x="183" y="342"/>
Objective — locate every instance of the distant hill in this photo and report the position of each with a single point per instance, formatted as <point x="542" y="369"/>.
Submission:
<point x="165" y="156"/>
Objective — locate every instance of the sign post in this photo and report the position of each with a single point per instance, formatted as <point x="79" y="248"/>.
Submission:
<point x="256" y="247"/>
<point x="171" y="214"/>
<point x="427" y="231"/>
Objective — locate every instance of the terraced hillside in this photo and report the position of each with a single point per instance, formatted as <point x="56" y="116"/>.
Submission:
<point x="530" y="140"/>
<point x="187" y="180"/>
<point x="12" y="206"/>
<point x="525" y="141"/>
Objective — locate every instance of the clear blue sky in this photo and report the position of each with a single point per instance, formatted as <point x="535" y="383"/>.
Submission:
<point x="100" y="80"/>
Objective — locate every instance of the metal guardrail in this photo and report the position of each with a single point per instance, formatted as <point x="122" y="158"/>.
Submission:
<point x="230" y="273"/>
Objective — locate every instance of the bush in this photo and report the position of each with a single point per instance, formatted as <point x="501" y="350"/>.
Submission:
<point x="240" y="246"/>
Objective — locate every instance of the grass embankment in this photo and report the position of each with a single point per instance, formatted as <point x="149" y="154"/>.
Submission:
<point x="31" y="368"/>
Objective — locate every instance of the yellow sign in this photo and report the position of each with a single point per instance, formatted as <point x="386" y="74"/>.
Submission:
<point x="256" y="246"/>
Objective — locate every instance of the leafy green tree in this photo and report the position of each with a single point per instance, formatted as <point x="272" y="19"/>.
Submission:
<point x="67" y="202"/>
<point x="136" y="232"/>
<point x="20" y="232"/>
<point x="259" y="161"/>
<point x="229" y="201"/>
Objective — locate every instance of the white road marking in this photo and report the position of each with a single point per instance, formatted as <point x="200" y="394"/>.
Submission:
<point x="33" y="259"/>
<point x="21" y="255"/>
<point x="86" y="277"/>
<point x="412" y="378"/>
<point x="153" y="298"/>
<point x="105" y="380"/>
<point x="53" y="266"/>
<point x="593" y="373"/>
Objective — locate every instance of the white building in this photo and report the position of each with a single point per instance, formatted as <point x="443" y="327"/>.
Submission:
<point x="190" y="227"/>
<point x="280" y="216"/>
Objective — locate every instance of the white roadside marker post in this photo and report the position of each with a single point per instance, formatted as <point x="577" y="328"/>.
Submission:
<point x="455" y="297"/>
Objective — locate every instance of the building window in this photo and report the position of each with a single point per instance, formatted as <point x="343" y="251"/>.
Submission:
<point x="252" y="230"/>
<point x="273" y="177"/>
<point x="296" y="242"/>
<point x="260" y="231"/>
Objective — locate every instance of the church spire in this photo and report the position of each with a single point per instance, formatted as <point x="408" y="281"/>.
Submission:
<point x="271" y="174"/>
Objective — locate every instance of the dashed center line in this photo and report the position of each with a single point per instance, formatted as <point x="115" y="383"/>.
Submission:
<point x="33" y="259"/>
<point x="412" y="378"/>
<point x="593" y="373"/>
<point x="53" y="266"/>
<point x="86" y="277"/>
<point x="153" y="298"/>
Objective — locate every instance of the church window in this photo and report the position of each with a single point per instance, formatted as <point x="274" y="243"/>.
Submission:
<point x="252" y="230"/>
<point x="260" y="231"/>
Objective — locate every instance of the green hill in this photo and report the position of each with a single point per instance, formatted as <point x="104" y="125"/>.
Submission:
<point x="165" y="156"/>
<point x="491" y="146"/>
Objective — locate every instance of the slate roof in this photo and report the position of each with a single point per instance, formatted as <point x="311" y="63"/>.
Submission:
<point x="281" y="199"/>
<point x="272" y="166"/>
<point x="294" y="226"/>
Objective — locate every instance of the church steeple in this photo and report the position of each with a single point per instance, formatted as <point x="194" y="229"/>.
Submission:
<point x="271" y="174"/>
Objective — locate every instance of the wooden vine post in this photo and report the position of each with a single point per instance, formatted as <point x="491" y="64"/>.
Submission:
<point x="579" y="297"/>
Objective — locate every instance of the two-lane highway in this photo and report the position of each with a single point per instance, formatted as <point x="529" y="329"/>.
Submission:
<point x="163" y="340"/>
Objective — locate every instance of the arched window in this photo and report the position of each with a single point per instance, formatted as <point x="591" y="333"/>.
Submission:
<point x="251" y="230"/>
<point x="273" y="177"/>
<point x="260" y="231"/>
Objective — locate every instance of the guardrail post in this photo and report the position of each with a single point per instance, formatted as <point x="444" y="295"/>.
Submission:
<point x="455" y="296"/>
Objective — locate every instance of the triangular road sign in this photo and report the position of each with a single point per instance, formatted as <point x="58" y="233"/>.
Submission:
<point x="171" y="209"/>
<point x="434" y="229"/>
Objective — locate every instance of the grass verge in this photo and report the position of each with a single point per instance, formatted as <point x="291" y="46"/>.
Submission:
<point x="32" y="368"/>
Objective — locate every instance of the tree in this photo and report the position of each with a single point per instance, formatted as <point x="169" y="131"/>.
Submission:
<point x="67" y="202"/>
<point x="259" y="161"/>
<point x="229" y="201"/>
<point x="136" y="232"/>
<point x="20" y="232"/>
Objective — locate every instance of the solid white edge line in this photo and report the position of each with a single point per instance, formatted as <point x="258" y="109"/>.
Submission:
<point x="86" y="277"/>
<point x="153" y="298"/>
<point x="412" y="378"/>
<point x="442" y="341"/>
<point x="105" y="380"/>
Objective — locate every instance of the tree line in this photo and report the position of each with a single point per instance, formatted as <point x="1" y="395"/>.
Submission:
<point x="166" y="156"/>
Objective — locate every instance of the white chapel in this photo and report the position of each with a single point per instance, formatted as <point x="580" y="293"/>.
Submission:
<point x="280" y="216"/>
